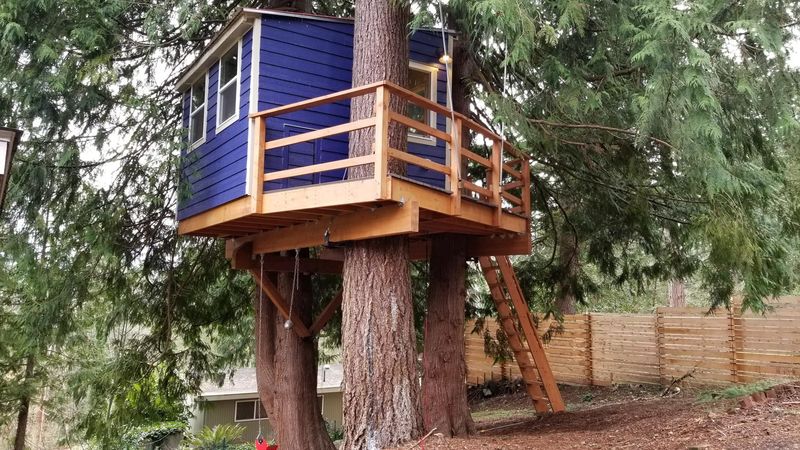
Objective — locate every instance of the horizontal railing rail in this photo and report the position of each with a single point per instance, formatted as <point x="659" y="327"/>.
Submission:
<point x="496" y="174"/>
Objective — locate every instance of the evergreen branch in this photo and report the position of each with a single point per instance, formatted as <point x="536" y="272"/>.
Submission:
<point x="542" y="122"/>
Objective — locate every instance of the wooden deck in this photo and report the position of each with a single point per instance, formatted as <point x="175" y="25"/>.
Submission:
<point x="492" y="203"/>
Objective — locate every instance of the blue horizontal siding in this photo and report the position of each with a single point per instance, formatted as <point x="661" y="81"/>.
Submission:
<point x="299" y="59"/>
<point x="216" y="171"/>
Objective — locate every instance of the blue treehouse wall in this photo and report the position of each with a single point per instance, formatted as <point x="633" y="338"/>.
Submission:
<point x="298" y="57"/>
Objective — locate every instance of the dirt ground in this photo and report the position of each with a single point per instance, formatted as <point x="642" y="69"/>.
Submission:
<point x="634" y="417"/>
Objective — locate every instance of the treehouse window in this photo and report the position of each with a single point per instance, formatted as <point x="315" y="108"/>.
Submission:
<point x="197" y="114"/>
<point x="422" y="81"/>
<point x="228" y="93"/>
<point x="249" y="410"/>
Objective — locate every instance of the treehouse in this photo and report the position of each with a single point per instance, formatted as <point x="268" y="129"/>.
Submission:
<point x="266" y="113"/>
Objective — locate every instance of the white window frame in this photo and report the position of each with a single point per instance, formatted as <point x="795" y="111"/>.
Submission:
<point x="433" y="72"/>
<point x="237" y="79"/>
<point x="321" y="404"/>
<point x="202" y="140"/>
<point x="256" y="405"/>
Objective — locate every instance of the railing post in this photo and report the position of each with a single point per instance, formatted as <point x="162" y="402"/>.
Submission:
<point x="382" y="98"/>
<point x="526" y="187"/>
<point x="257" y="150"/>
<point x="495" y="175"/>
<point x="455" y="167"/>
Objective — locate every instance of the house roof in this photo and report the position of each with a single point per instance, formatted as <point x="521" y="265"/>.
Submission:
<point x="238" y="24"/>
<point x="330" y="378"/>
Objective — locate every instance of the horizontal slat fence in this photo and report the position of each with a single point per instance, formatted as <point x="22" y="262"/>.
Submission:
<point x="718" y="348"/>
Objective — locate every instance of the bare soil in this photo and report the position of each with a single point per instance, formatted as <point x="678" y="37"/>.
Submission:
<point x="636" y="417"/>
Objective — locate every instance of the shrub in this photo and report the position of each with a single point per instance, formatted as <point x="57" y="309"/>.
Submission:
<point x="221" y="437"/>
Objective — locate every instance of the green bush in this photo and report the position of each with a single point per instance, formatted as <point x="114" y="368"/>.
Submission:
<point x="335" y="432"/>
<point x="151" y="436"/>
<point x="221" y="437"/>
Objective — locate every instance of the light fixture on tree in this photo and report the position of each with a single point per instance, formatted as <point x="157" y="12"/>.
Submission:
<point x="9" y="138"/>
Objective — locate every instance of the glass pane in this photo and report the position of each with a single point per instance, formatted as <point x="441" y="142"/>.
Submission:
<point x="198" y="94"/>
<point x="229" y="66"/>
<point x="196" y="127"/>
<point x="227" y="103"/>
<point x="262" y="414"/>
<point x="3" y="156"/>
<point x="245" y="410"/>
<point x="419" y="82"/>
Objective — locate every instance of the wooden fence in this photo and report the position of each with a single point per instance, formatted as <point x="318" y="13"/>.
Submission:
<point x="602" y="349"/>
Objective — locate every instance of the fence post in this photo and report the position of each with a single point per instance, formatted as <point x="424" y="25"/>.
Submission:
<point x="735" y="340"/>
<point x="589" y="351"/>
<point x="660" y="344"/>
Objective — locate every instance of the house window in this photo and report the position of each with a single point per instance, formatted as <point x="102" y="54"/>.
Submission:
<point x="249" y="410"/>
<point x="228" y="93"/>
<point x="321" y="401"/>
<point x="197" y="113"/>
<point x="422" y="81"/>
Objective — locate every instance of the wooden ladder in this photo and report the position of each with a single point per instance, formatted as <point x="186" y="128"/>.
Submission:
<point x="532" y="360"/>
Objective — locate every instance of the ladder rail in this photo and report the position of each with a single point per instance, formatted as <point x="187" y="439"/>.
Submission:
<point x="535" y="369"/>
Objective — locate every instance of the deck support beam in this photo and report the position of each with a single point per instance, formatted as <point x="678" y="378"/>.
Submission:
<point x="368" y="224"/>
<point x="326" y="314"/>
<point x="277" y="299"/>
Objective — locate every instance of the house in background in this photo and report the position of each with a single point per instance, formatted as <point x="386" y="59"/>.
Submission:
<point x="236" y="402"/>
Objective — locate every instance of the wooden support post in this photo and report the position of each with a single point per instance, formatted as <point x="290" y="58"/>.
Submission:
<point x="382" y="99"/>
<point x="455" y="167"/>
<point x="272" y="292"/>
<point x="495" y="175"/>
<point x="257" y="149"/>
<point x="525" y="193"/>
<point x="326" y="314"/>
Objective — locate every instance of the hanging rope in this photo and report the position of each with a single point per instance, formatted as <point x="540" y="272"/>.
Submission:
<point x="295" y="286"/>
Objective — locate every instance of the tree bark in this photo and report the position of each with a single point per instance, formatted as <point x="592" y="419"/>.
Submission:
<point x="287" y="371"/>
<point x="24" y="409"/>
<point x="676" y="293"/>
<point x="566" y="299"/>
<point x="444" y="391"/>
<point x="381" y="402"/>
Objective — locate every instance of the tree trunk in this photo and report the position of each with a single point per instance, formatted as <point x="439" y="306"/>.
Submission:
<point x="24" y="409"/>
<point x="287" y="371"/>
<point x="381" y="402"/>
<point x="444" y="391"/>
<point x="676" y="293"/>
<point x="566" y="299"/>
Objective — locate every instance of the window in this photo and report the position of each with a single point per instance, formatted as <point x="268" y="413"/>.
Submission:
<point x="321" y="401"/>
<point x="422" y="81"/>
<point x="197" y="113"/>
<point x="228" y="93"/>
<point x="3" y="156"/>
<point x="249" y="410"/>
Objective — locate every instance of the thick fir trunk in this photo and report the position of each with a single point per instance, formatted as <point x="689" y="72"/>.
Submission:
<point x="444" y="392"/>
<point x="444" y="398"/>
<point x="381" y="402"/>
<point x="24" y="410"/>
<point x="676" y="293"/>
<point x="566" y="299"/>
<point x="287" y="372"/>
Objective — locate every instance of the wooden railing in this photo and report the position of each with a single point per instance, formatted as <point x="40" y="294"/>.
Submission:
<point x="496" y="173"/>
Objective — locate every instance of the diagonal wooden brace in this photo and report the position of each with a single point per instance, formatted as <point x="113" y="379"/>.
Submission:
<point x="326" y="314"/>
<point x="277" y="299"/>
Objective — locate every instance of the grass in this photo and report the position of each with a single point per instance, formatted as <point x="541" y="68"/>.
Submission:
<point x="737" y="391"/>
